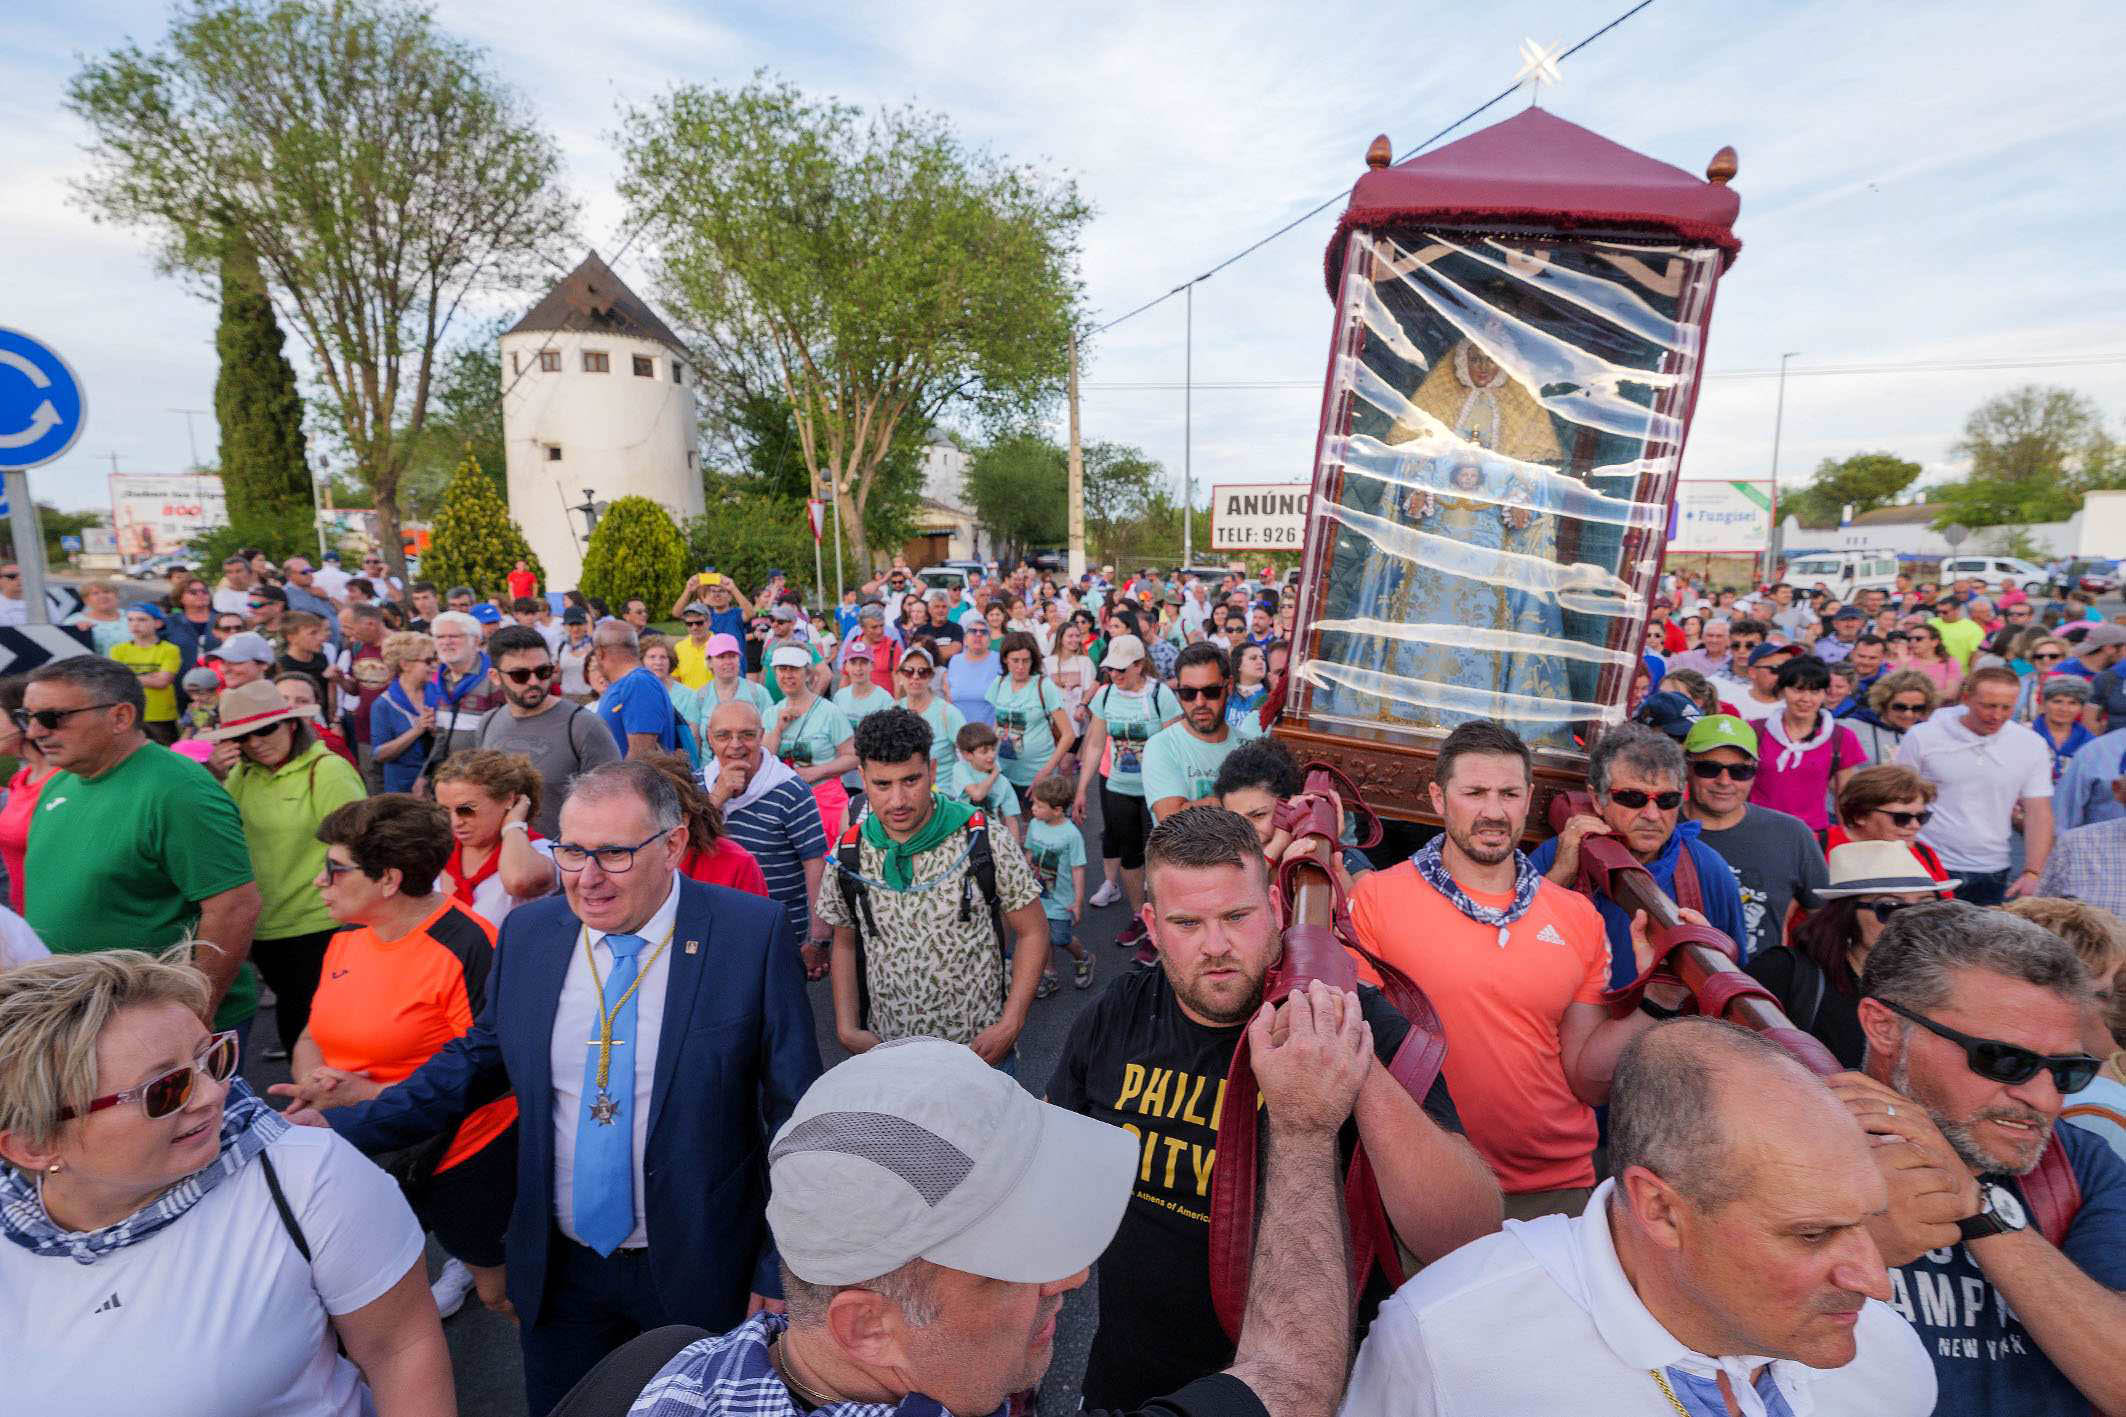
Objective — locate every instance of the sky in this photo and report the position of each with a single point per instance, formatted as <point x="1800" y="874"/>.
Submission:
<point x="1920" y="185"/>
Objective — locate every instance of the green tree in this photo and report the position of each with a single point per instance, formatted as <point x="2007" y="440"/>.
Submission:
<point x="472" y="540"/>
<point x="265" y="473"/>
<point x="1863" y="482"/>
<point x="876" y="269"/>
<point x="745" y="533"/>
<point x="1019" y="486"/>
<point x="635" y="550"/>
<point x="2033" y="452"/>
<point x="764" y="446"/>
<point x="465" y="418"/>
<point x="376" y="164"/>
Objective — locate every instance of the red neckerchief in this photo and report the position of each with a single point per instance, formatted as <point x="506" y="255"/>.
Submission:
<point x="461" y="885"/>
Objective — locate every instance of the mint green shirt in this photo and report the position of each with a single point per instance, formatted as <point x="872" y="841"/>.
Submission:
<point x="1179" y="764"/>
<point x="1023" y="718"/>
<point x="1131" y="720"/>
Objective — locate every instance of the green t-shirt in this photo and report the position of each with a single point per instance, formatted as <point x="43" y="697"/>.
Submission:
<point x="1056" y="849"/>
<point x="281" y="811"/>
<point x="1025" y="735"/>
<point x="122" y="862"/>
<point x="813" y="736"/>
<point x="945" y="724"/>
<point x="855" y="709"/>
<point x="1131" y="719"/>
<point x="1961" y="640"/>
<point x="1179" y="764"/>
<point x="158" y="658"/>
<point x="1001" y="802"/>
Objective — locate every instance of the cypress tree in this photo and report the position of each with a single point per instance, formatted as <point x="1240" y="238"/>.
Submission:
<point x="263" y="471"/>
<point x="472" y="540"/>
<point x="635" y="550"/>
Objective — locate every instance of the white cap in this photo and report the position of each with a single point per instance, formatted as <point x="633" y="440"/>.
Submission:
<point x="1122" y="652"/>
<point x="790" y="657"/>
<point x="245" y="645"/>
<point x="920" y="1150"/>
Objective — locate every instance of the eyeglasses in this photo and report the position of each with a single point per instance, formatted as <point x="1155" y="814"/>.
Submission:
<point x="613" y="860"/>
<point x="164" y="1093"/>
<point x="1707" y="770"/>
<point x="1905" y="819"/>
<point x="1906" y="707"/>
<point x="1884" y="909"/>
<point x="1633" y="798"/>
<point x="2008" y="1062"/>
<point x="334" y="870"/>
<point x="50" y="719"/>
<point x="2047" y="658"/>
<point x="1189" y="693"/>
<point x="526" y="676"/>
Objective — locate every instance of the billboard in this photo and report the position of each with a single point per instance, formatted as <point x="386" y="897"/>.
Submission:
<point x="1718" y="516"/>
<point x="154" y="515"/>
<point x="1259" y="516"/>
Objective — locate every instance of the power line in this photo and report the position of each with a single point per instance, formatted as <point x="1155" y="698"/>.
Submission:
<point x="1323" y="206"/>
<point x="1817" y="371"/>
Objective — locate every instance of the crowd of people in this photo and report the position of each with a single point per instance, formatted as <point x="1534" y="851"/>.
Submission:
<point x="537" y="886"/>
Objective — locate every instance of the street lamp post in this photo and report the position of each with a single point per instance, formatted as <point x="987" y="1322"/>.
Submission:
<point x="1778" y="423"/>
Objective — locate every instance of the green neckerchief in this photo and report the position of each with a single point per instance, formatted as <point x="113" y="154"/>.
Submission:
<point x="946" y="819"/>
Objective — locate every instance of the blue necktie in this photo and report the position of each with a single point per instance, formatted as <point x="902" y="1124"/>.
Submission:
<point x="605" y="1131"/>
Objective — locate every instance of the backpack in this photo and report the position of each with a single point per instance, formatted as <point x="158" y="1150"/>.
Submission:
<point x="856" y="897"/>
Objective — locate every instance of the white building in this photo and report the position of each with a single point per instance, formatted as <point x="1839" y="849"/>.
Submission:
<point x="599" y="400"/>
<point x="946" y="528"/>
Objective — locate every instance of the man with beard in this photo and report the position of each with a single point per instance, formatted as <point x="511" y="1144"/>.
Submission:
<point x="1976" y="1016"/>
<point x="1151" y="1055"/>
<point x="1181" y="761"/>
<point x="1516" y="965"/>
<point x="1725" y="1268"/>
<point x="561" y="738"/>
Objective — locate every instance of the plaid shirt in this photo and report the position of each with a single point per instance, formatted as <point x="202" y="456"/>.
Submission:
<point x="734" y="1374"/>
<point x="2084" y="866"/>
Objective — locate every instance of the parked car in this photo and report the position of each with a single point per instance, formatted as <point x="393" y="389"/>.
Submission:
<point x="948" y="577"/>
<point x="1843" y="573"/>
<point x="2097" y="575"/>
<point x="1992" y="570"/>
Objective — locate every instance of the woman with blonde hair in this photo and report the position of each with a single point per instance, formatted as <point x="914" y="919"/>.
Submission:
<point x="402" y="723"/>
<point x="498" y="860"/>
<point x="261" y="1268"/>
<point x="1898" y="702"/>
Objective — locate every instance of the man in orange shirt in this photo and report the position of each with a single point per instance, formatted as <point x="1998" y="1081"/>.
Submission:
<point x="1516" y="967"/>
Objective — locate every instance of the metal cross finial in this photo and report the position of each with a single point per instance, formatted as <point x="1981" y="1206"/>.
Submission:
<point x="1539" y="66"/>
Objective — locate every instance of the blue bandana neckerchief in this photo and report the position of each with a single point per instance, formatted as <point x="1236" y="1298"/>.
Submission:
<point x="1525" y="879"/>
<point x="247" y="1125"/>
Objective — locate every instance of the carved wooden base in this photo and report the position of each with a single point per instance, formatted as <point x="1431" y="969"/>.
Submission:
<point x="1395" y="778"/>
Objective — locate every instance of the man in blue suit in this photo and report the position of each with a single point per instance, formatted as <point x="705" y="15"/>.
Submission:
<point x="656" y="1033"/>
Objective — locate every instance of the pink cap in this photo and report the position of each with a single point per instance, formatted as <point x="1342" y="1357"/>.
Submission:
<point x="722" y="644"/>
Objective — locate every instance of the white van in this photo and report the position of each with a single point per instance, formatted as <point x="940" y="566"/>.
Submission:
<point x="1843" y="573"/>
<point x="1994" y="569"/>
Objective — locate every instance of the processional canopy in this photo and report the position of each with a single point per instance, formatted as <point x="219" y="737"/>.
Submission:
<point x="1520" y="330"/>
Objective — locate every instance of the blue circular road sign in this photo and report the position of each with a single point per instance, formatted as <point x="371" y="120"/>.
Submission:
<point x="42" y="408"/>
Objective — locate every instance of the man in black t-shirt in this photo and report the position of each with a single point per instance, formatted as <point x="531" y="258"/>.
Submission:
<point x="1151" y="1056"/>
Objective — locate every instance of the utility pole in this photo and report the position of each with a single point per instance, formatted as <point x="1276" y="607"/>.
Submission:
<point x="1188" y="447"/>
<point x="191" y="436"/>
<point x="1077" y="472"/>
<point x="1778" y="423"/>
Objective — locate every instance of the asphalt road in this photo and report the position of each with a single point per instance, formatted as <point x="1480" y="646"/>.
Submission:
<point x="483" y="1346"/>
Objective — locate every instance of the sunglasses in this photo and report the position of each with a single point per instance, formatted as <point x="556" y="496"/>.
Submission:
<point x="1633" y="798"/>
<point x="2046" y="658"/>
<point x="252" y="733"/>
<point x="1189" y="693"/>
<point x="527" y="676"/>
<point x="2008" y="1062"/>
<point x="916" y="673"/>
<point x="1904" y="819"/>
<point x="1884" y="909"/>
<point x="1895" y="707"/>
<point x="1707" y="771"/>
<point x="50" y="719"/>
<point x="163" y="1094"/>
<point x="334" y="870"/>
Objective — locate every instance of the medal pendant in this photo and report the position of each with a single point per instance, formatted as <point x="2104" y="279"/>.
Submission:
<point x="604" y="1109"/>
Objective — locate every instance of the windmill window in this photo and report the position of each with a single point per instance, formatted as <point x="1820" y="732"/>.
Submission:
<point x="553" y="452"/>
<point x="645" y="367"/>
<point x="595" y="361"/>
<point x="675" y="373"/>
<point x="549" y="361"/>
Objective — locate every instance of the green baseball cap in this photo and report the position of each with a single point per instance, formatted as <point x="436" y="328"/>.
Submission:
<point x="1721" y="730"/>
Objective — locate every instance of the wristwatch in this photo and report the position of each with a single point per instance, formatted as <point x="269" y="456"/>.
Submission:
<point x="1998" y="1213"/>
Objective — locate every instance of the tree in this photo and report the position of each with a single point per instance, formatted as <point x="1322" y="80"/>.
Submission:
<point x="745" y="533"/>
<point x="465" y="419"/>
<point x="2033" y="451"/>
<point x="634" y="550"/>
<point x="377" y="166"/>
<point x="1863" y="482"/>
<point x="874" y="269"/>
<point x="1019" y="486"/>
<point x="265" y="472"/>
<point x="760" y="431"/>
<point x="473" y="541"/>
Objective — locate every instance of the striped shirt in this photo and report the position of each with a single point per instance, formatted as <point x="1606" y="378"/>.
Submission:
<point x="735" y="1373"/>
<point x="783" y="831"/>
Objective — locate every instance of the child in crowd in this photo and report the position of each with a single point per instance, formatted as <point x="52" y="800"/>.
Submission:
<point x="202" y="686"/>
<point x="978" y="780"/>
<point x="155" y="660"/>
<point x="1057" y="851"/>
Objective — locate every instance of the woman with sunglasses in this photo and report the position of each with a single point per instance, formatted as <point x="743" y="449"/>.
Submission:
<point x="2045" y="653"/>
<point x="1887" y="802"/>
<point x="498" y="861"/>
<point x="402" y="723"/>
<point x="1898" y="702"/>
<point x="18" y="800"/>
<point x="142" y="1173"/>
<point x="408" y="975"/>
<point x="284" y="782"/>
<point x="918" y="680"/>
<point x="1932" y="658"/>
<point x="1804" y="754"/>
<point x="1816" y="977"/>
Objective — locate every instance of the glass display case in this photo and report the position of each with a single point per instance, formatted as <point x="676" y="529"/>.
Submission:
<point x="1520" y="330"/>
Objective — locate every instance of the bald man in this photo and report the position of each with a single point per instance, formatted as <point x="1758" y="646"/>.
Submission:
<point x="770" y="811"/>
<point x="1726" y="1268"/>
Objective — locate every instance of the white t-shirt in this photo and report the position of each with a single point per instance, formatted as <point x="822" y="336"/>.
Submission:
<point x="1458" y="1338"/>
<point x="216" y="1315"/>
<point x="230" y="601"/>
<point x="1753" y="712"/>
<point x="18" y="942"/>
<point x="331" y="582"/>
<point x="491" y="901"/>
<point x="1977" y="780"/>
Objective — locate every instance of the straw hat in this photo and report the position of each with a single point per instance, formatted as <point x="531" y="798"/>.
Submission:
<point x="1879" y="868"/>
<point x="250" y="707"/>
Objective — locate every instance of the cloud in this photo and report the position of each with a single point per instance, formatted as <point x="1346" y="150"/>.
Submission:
<point x="1917" y="187"/>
